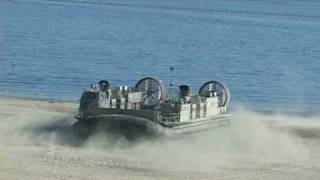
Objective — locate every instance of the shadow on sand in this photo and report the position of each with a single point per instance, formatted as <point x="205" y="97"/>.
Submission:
<point x="67" y="132"/>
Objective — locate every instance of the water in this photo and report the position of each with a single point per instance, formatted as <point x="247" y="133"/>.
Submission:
<point x="267" y="52"/>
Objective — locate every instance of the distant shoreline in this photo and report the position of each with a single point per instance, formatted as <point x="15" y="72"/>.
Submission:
<point x="75" y="104"/>
<point x="50" y="100"/>
<point x="44" y="104"/>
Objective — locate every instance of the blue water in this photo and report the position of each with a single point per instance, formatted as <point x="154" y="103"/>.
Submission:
<point x="268" y="52"/>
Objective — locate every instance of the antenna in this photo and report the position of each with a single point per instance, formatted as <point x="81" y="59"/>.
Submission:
<point x="171" y="74"/>
<point x="170" y="92"/>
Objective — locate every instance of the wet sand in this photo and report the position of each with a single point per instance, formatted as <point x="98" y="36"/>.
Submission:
<point x="36" y="143"/>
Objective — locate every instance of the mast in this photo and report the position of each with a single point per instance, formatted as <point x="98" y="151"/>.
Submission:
<point x="171" y="83"/>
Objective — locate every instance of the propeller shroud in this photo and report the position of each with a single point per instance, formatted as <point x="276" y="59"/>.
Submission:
<point x="152" y="91"/>
<point x="221" y="89"/>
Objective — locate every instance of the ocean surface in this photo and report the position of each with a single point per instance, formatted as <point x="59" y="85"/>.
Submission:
<point x="268" y="52"/>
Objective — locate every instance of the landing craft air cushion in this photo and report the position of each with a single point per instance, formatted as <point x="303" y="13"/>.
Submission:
<point x="145" y="107"/>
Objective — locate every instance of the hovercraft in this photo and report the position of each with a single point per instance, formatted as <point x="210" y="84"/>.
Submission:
<point x="145" y="107"/>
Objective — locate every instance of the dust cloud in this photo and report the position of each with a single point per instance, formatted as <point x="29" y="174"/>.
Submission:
<point x="250" y="138"/>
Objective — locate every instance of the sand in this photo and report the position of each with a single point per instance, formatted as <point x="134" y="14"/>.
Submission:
<point x="36" y="142"/>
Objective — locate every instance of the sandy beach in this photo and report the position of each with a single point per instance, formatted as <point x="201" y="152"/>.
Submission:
<point x="36" y="143"/>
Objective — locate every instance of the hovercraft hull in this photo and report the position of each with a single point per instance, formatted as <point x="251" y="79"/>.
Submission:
<point x="135" y="125"/>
